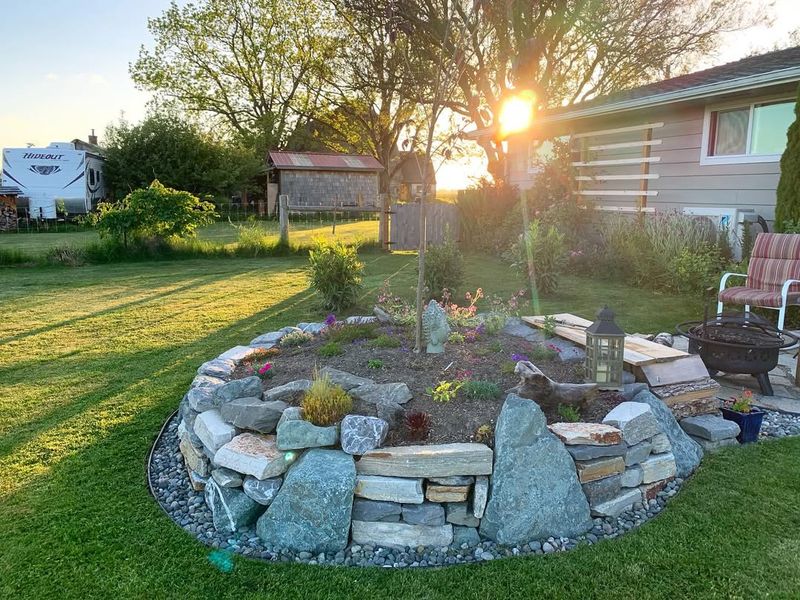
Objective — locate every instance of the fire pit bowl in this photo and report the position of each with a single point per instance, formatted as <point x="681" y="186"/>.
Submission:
<point x="735" y="344"/>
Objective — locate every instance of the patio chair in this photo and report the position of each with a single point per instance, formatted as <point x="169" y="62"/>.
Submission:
<point x="773" y="276"/>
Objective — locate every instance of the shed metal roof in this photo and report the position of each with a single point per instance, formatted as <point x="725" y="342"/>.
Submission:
<point x="323" y="161"/>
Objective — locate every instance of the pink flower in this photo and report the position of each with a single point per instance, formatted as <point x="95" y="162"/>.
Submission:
<point x="265" y="368"/>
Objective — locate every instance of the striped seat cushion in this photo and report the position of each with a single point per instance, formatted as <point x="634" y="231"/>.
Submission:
<point x="756" y="297"/>
<point x="775" y="258"/>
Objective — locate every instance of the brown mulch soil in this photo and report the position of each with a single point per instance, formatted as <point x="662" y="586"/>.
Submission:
<point x="454" y="421"/>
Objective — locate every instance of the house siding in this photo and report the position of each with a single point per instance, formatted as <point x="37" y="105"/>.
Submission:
<point x="683" y="181"/>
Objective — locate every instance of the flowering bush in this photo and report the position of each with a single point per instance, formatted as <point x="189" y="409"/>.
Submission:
<point x="742" y="403"/>
<point x="266" y="371"/>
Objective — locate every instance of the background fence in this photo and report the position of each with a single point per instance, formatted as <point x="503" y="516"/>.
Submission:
<point x="404" y="228"/>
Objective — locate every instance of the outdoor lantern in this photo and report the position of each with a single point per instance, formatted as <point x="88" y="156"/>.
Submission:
<point x="605" y="346"/>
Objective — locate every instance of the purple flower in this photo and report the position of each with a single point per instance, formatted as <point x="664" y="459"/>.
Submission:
<point x="330" y="319"/>
<point x="480" y="329"/>
<point x="518" y="357"/>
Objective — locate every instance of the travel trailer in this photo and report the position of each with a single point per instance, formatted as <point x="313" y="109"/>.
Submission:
<point x="68" y="172"/>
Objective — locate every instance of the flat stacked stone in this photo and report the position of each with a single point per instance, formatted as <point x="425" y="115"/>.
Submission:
<point x="212" y="429"/>
<point x="657" y="467"/>
<point x="442" y="460"/>
<point x="253" y="413"/>
<point x="375" y="510"/>
<point x="247" y="387"/>
<point x="447" y="493"/>
<point x="253" y="454"/>
<point x="402" y="490"/>
<point x="427" y="513"/>
<point x="459" y="513"/>
<point x="401" y="535"/>
<point x="711" y="432"/>
<point x="598" y="468"/>
<point x="635" y="420"/>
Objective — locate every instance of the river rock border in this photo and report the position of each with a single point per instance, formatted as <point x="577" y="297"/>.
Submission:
<point x="242" y="471"/>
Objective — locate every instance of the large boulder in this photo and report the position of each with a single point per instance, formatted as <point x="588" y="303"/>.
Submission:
<point x="247" y="387"/>
<point x="311" y="512"/>
<point x="253" y="413"/>
<point x="534" y="492"/>
<point x="361" y="434"/>
<point x="382" y="393"/>
<point x="231" y="507"/>
<point x="218" y="367"/>
<point x="346" y="381"/>
<point x="687" y="452"/>
<point x="294" y="433"/>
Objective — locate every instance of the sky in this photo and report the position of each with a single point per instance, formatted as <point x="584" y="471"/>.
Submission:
<point x="64" y="68"/>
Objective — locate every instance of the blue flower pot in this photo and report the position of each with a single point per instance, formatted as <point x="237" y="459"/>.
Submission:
<point x="749" y="423"/>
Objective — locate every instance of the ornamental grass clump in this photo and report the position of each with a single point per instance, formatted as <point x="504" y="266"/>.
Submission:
<point x="335" y="273"/>
<point x="480" y="390"/>
<point x="295" y="338"/>
<point x="325" y="403"/>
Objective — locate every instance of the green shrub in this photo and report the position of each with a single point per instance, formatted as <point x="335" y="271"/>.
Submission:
<point x="295" y="338"/>
<point x="375" y="363"/>
<point x="335" y="273"/>
<point x="330" y="349"/>
<point x="252" y="240"/>
<point x="444" y="267"/>
<point x="155" y="212"/>
<point x="480" y="390"/>
<point x="494" y="322"/>
<point x="66" y="255"/>
<point x="385" y="341"/>
<point x="507" y="367"/>
<point x="570" y="414"/>
<point x="456" y="337"/>
<point x="543" y="352"/>
<point x="13" y="256"/>
<point x="694" y="271"/>
<point x="445" y="391"/>
<point x="787" y="207"/>
<point x="325" y="403"/>
<point x="345" y="334"/>
<point x="549" y="254"/>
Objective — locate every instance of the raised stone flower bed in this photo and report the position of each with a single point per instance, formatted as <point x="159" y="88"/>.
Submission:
<point x="241" y="468"/>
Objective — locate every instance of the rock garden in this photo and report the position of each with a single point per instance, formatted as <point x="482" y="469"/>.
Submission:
<point x="332" y="442"/>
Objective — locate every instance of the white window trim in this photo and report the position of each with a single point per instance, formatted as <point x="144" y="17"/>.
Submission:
<point x="733" y="159"/>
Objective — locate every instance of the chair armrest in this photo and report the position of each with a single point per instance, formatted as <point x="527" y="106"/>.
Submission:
<point x="727" y="276"/>
<point x="785" y="289"/>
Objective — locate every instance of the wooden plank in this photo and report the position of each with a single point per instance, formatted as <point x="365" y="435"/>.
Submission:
<point x="683" y="393"/>
<point x="617" y="193"/>
<point x="617" y="161"/>
<point x="645" y="169"/>
<point x="626" y="177"/>
<point x="637" y="144"/>
<point x="680" y="370"/>
<point x="600" y="132"/>
<point x="637" y="351"/>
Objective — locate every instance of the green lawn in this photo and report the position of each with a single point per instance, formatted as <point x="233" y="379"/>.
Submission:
<point x="223" y="233"/>
<point x="95" y="358"/>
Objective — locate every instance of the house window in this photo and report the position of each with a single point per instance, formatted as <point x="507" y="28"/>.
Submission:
<point x="747" y="133"/>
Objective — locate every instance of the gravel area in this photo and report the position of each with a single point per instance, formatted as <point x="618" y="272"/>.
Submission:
<point x="188" y="509"/>
<point x="778" y="425"/>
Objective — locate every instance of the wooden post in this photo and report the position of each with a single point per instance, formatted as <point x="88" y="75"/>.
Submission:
<point x="645" y="168"/>
<point x="383" y="224"/>
<point x="283" y="206"/>
<point x="523" y="198"/>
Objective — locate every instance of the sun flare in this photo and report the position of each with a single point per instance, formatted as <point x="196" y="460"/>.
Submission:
<point x="516" y="113"/>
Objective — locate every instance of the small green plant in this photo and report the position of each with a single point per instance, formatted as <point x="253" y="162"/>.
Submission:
<point x="345" y="334"/>
<point x="335" y="273"/>
<point x="295" y="338"/>
<point x="325" y="403"/>
<point x="568" y="413"/>
<point x="444" y="267"/>
<point x="330" y="349"/>
<point x="375" y="363"/>
<point x="418" y="424"/>
<point x="507" y="367"/>
<point x="494" y="322"/>
<point x="445" y="391"/>
<point x="742" y="403"/>
<point x="385" y="341"/>
<point x="480" y="390"/>
<point x="549" y="326"/>
<point x="485" y="434"/>
<point x="456" y="337"/>
<point x="544" y="249"/>
<point x="542" y="352"/>
<point x="64" y="254"/>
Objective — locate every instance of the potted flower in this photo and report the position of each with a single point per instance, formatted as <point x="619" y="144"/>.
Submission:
<point x="740" y="410"/>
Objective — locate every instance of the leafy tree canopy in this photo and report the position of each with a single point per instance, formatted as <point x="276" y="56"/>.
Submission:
<point x="787" y="208"/>
<point x="169" y="149"/>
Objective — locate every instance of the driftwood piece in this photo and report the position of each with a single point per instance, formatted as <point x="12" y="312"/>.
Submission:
<point x="537" y="386"/>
